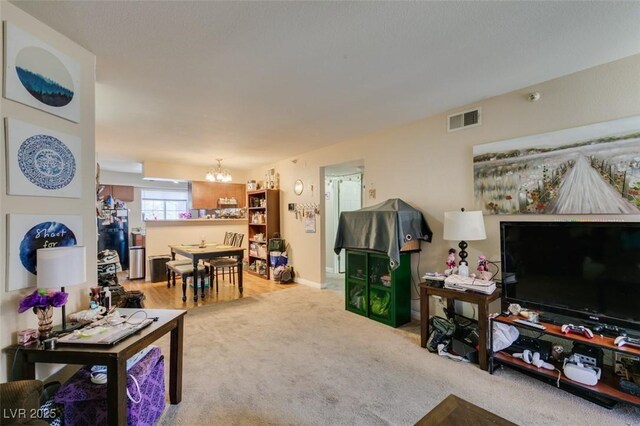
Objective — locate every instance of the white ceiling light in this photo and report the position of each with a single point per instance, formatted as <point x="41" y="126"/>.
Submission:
<point x="218" y="175"/>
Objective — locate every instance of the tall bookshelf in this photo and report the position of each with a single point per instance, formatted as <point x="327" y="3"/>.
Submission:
<point x="263" y="207"/>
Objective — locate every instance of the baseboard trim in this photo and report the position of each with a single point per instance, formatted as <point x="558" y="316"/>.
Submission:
<point x="308" y="283"/>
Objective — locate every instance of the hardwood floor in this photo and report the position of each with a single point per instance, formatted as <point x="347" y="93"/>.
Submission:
<point x="157" y="295"/>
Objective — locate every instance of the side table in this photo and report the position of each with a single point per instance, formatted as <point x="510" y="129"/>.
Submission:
<point x="482" y="300"/>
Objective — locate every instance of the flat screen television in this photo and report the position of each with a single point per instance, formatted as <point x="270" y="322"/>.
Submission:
<point x="588" y="270"/>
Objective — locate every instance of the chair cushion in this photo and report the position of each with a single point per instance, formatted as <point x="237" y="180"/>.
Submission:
<point x="179" y="262"/>
<point x="184" y="268"/>
<point x="223" y="262"/>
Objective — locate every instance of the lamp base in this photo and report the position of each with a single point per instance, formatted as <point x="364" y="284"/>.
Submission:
<point x="463" y="252"/>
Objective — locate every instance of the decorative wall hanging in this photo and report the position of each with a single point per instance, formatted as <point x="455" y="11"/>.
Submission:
<point x="28" y="233"/>
<point x="42" y="162"/>
<point x="40" y="76"/>
<point x="592" y="169"/>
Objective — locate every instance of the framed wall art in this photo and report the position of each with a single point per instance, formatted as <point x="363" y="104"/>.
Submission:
<point x="27" y="234"/>
<point x="40" y="76"/>
<point x="593" y="169"/>
<point x="42" y="162"/>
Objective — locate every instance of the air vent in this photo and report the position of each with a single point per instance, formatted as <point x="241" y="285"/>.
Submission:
<point x="462" y="120"/>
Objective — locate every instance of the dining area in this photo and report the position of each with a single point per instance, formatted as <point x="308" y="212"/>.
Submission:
<point x="205" y="262"/>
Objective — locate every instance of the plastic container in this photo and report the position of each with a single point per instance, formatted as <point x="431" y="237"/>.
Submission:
<point x="158" y="267"/>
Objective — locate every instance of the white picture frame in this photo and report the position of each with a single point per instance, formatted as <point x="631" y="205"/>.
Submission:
<point x="26" y="234"/>
<point x="592" y="169"/>
<point x="42" y="162"/>
<point x="39" y="75"/>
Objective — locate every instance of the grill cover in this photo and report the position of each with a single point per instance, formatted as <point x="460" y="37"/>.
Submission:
<point x="385" y="227"/>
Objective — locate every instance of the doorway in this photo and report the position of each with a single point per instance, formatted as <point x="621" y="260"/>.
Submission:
<point x="343" y="192"/>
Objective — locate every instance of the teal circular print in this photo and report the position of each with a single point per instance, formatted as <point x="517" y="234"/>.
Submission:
<point x="44" y="76"/>
<point x="46" y="162"/>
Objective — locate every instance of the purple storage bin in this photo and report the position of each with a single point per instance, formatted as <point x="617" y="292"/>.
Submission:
<point x="85" y="403"/>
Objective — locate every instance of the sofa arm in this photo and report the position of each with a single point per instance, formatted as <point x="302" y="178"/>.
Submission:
<point x="20" y="401"/>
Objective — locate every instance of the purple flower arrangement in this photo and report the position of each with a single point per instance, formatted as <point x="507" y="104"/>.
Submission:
<point x="41" y="298"/>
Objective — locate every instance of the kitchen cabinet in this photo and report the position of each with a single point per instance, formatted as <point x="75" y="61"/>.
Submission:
<point x="118" y="192"/>
<point x="212" y="195"/>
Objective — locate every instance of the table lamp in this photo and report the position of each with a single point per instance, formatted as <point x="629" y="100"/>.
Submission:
<point x="60" y="267"/>
<point x="464" y="226"/>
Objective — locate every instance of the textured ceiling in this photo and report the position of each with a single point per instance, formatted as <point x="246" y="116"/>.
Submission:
<point x="254" y="82"/>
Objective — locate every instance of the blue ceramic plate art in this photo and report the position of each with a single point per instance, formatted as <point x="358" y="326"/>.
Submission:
<point x="44" y="235"/>
<point x="46" y="162"/>
<point x="44" y="76"/>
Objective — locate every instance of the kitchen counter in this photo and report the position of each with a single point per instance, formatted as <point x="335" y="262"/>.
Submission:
<point x="194" y="222"/>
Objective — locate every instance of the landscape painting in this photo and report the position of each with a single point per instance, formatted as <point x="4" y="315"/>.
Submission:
<point x="42" y="162"/>
<point x="592" y="169"/>
<point x="27" y="234"/>
<point x="40" y="76"/>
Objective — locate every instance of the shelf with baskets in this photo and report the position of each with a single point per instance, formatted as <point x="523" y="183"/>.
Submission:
<point x="264" y="220"/>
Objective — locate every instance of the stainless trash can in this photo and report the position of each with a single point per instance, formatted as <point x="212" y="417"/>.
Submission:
<point x="136" y="262"/>
<point x="158" y="267"/>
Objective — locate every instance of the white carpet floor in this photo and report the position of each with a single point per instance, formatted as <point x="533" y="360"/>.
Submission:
<point x="296" y="357"/>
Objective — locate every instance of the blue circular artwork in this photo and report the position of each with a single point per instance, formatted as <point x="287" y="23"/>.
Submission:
<point x="44" y="235"/>
<point x="44" y="76"/>
<point x="46" y="162"/>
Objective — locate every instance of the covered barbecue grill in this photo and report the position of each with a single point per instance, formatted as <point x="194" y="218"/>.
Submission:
<point x="386" y="227"/>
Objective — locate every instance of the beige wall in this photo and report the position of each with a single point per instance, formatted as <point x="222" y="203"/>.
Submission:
<point x="161" y="234"/>
<point x="162" y="170"/>
<point x="85" y="206"/>
<point x="431" y="169"/>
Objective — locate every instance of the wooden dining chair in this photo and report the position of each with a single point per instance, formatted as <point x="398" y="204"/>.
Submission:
<point x="224" y="264"/>
<point x="228" y="238"/>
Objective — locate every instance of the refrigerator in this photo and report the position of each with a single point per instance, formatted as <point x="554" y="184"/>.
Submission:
<point x="113" y="233"/>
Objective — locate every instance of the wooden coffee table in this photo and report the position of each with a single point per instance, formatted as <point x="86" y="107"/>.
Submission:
<point x="456" y="411"/>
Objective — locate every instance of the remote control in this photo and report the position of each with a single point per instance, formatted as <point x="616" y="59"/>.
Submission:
<point x="530" y="324"/>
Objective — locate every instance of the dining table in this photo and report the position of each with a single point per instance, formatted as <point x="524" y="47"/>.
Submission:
<point x="198" y="252"/>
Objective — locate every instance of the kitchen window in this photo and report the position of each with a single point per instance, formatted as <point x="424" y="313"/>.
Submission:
<point x="160" y="204"/>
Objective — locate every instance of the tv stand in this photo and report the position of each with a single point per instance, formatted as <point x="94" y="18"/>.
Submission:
<point x="605" y="393"/>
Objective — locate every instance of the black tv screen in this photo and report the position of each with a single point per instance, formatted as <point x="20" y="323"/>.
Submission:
<point x="589" y="270"/>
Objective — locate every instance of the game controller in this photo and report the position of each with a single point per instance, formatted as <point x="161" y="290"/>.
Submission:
<point x="578" y="329"/>
<point x="534" y="359"/>
<point x="609" y="330"/>
<point x="626" y="340"/>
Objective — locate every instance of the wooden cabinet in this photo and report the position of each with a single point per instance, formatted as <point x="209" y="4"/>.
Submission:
<point x="206" y="195"/>
<point x="373" y="290"/>
<point x="483" y="301"/>
<point x="118" y="192"/>
<point x="264" y="220"/>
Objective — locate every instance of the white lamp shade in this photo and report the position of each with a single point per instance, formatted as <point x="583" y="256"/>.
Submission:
<point x="464" y="226"/>
<point x="61" y="266"/>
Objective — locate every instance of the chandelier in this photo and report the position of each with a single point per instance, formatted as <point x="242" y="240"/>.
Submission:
<point x="217" y="174"/>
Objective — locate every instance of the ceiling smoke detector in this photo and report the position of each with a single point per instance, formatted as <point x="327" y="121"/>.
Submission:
<point x="533" y="96"/>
